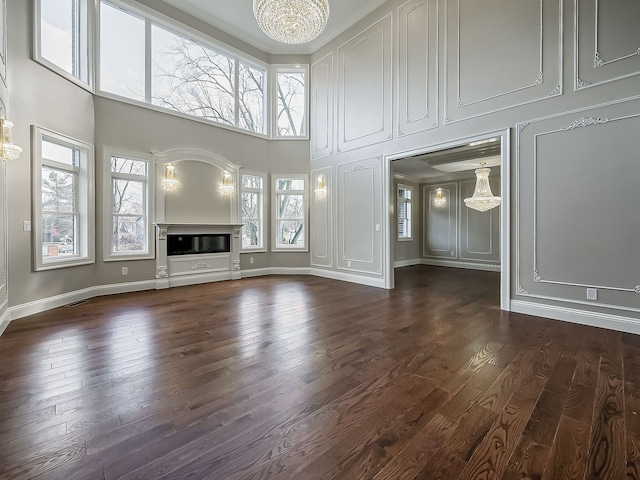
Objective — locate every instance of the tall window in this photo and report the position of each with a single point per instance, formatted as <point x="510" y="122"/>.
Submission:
<point x="405" y="195"/>
<point x="290" y="212"/>
<point x="253" y="211"/>
<point x="122" y="52"/>
<point x="291" y="102"/>
<point x="63" y="190"/>
<point x="62" y="40"/>
<point x="127" y="222"/>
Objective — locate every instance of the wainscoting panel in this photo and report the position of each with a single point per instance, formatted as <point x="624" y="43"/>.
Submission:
<point x="418" y="66"/>
<point x="607" y="41"/>
<point x="360" y="216"/>
<point x="441" y="223"/>
<point x="321" y="219"/>
<point x="479" y="231"/>
<point x="365" y="73"/>
<point x="322" y="107"/>
<point x="519" y="62"/>
<point x="577" y="207"/>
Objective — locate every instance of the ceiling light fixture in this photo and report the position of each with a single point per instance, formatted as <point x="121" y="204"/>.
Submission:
<point x="482" y="199"/>
<point x="8" y="151"/>
<point x="291" y="21"/>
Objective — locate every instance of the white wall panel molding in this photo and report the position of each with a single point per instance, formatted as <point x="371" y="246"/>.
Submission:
<point x="360" y="216"/>
<point x="519" y="63"/>
<point x="349" y="277"/>
<point x="417" y="66"/>
<point x="577" y="213"/>
<point x="365" y="87"/>
<point x="440" y="239"/>
<point x="606" y="41"/>
<point x="321" y="219"/>
<point x="479" y="231"/>
<point x="322" y="102"/>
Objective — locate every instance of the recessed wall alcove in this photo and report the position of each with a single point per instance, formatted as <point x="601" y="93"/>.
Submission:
<point x="198" y="206"/>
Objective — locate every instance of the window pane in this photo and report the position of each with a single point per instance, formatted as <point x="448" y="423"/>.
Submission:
<point x="249" y="205"/>
<point x="128" y="197"/>
<point x="290" y="184"/>
<point x="63" y="35"/>
<point x="290" y="206"/>
<point x="291" y="104"/>
<point x="60" y="153"/>
<point x="58" y="190"/>
<point x="251" y="234"/>
<point x="191" y="78"/>
<point x="122" y="53"/>
<point x="128" y="166"/>
<point x="58" y="235"/>
<point x="402" y="210"/>
<point x="290" y="233"/>
<point x="251" y="181"/>
<point x="129" y="234"/>
<point x="251" y="98"/>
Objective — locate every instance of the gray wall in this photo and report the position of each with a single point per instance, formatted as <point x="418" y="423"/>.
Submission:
<point x="463" y="69"/>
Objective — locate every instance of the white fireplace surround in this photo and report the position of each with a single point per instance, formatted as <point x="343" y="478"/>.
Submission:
<point x="198" y="268"/>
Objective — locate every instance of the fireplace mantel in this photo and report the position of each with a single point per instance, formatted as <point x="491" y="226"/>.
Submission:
<point x="197" y="268"/>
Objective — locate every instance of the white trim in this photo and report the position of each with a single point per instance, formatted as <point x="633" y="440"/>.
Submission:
<point x="255" y="272"/>
<point x="62" y="299"/>
<point x="573" y="315"/>
<point x="275" y="246"/>
<point x="406" y="263"/>
<point x="348" y="277"/>
<point x="5" y="318"/>
<point x="487" y="267"/>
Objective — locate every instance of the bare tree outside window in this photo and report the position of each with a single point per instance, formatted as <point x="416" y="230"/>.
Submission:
<point x="129" y="205"/>
<point x="291" y="104"/>
<point x="290" y="212"/>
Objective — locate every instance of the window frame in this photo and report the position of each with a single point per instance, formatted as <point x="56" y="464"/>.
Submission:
<point x="262" y="198"/>
<point x="91" y="46"/>
<point x="283" y="68"/>
<point x="109" y="255"/>
<point x="276" y="246"/>
<point x="84" y="200"/>
<point x="408" y="202"/>
<point x="151" y="18"/>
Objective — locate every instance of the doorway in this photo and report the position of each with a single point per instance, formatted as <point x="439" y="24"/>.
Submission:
<point x="450" y="162"/>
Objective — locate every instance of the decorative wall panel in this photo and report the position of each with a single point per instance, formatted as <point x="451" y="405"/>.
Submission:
<point x="360" y="216"/>
<point x="322" y="107"/>
<point x="577" y="207"/>
<point x="441" y="223"/>
<point x="321" y="219"/>
<point x="418" y="66"/>
<point x="479" y="231"/>
<point x="365" y="72"/>
<point x="607" y="41"/>
<point x="520" y="61"/>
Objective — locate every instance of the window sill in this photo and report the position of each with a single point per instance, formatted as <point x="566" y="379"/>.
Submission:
<point x="126" y="258"/>
<point x="53" y="265"/>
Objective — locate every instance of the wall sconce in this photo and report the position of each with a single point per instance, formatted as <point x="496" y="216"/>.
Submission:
<point x="321" y="185"/>
<point x="8" y="151"/>
<point x="439" y="200"/>
<point x="170" y="183"/>
<point x="227" y="182"/>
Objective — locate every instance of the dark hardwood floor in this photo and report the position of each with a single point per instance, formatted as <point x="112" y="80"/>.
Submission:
<point x="309" y="378"/>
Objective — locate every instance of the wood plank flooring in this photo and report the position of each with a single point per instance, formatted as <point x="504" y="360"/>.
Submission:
<point x="308" y="378"/>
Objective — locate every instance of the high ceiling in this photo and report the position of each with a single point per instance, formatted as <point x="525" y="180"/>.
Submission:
<point x="235" y="17"/>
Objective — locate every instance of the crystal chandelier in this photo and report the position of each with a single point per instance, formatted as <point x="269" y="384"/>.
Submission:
<point x="291" y="21"/>
<point x="482" y="199"/>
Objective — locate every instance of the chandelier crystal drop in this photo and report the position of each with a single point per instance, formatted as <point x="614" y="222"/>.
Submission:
<point x="8" y="150"/>
<point x="482" y="199"/>
<point x="291" y="21"/>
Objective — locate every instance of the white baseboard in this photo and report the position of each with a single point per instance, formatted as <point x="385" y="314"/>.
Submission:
<point x="5" y="317"/>
<point x="348" y="277"/>
<point x="407" y="263"/>
<point x="56" y="301"/>
<point x="487" y="267"/>
<point x="573" y="315"/>
<point x="256" y="272"/>
<point x="196" y="279"/>
<point x="289" y="271"/>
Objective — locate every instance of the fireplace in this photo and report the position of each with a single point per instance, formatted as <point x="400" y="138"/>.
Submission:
<point x="196" y="253"/>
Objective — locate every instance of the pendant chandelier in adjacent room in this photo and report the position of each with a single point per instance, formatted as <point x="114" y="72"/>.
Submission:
<point x="291" y="21"/>
<point x="482" y="199"/>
